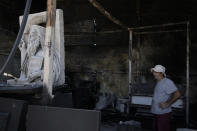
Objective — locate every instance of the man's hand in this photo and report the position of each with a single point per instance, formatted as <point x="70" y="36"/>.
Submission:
<point x="163" y="105"/>
<point x="175" y="95"/>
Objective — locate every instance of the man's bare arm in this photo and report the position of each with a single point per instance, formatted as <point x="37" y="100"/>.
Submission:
<point x="175" y="95"/>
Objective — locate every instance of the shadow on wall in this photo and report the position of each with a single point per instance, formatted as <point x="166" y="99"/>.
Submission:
<point x="7" y="40"/>
<point x="110" y="63"/>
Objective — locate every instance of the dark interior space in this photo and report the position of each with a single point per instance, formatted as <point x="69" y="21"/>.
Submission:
<point x="97" y="57"/>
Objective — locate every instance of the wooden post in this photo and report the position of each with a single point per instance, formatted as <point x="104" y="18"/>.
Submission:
<point x="49" y="45"/>
<point x="130" y="69"/>
<point x="187" y="75"/>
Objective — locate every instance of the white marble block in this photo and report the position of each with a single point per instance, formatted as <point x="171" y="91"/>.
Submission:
<point x="32" y="47"/>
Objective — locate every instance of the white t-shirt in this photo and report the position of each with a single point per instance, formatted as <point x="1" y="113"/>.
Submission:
<point x="162" y="92"/>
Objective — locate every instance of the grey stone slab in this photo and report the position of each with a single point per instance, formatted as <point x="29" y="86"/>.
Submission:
<point x="42" y="118"/>
<point x="16" y="111"/>
<point x="3" y="121"/>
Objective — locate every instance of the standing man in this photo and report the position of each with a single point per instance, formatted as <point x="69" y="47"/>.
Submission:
<point x="165" y="94"/>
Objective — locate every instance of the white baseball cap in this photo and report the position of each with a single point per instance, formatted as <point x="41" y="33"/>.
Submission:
<point x="159" y="68"/>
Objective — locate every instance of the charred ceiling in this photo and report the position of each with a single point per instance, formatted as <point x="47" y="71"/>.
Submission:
<point x="130" y="12"/>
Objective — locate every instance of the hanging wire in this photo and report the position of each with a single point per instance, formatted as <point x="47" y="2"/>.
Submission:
<point x="19" y="36"/>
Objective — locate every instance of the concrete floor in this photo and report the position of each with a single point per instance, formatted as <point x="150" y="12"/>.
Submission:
<point x="117" y="127"/>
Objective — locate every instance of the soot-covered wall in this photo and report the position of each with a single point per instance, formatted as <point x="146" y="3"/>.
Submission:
<point x="103" y="47"/>
<point x="107" y="54"/>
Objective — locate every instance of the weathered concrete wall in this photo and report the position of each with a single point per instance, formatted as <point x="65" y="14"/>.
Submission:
<point x="110" y="57"/>
<point x="111" y="63"/>
<point x="106" y="53"/>
<point x="167" y="49"/>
